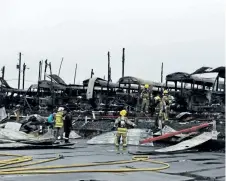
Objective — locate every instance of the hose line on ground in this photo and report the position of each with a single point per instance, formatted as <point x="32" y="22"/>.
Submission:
<point x="6" y="167"/>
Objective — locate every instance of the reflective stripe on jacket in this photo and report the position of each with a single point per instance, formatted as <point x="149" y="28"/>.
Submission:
<point x="122" y="130"/>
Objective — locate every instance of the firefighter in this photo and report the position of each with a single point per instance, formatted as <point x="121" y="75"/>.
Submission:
<point x="167" y="100"/>
<point x="157" y="100"/>
<point x="121" y="123"/>
<point x="67" y="125"/>
<point x="59" y="123"/>
<point x="161" y="110"/>
<point x="145" y="95"/>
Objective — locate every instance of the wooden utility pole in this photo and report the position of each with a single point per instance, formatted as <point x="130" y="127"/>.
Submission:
<point x="92" y="73"/>
<point x="39" y="79"/>
<point x="52" y="87"/>
<point x="24" y="68"/>
<point x="109" y="74"/>
<point x="110" y="80"/>
<point x="19" y="69"/>
<point x="162" y="77"/>
<point x="3" y="72"/>
<point x="40" y="71"/>
<point x="123" y="61"/>
<point x="60" y="66"/>
<point x="75" y="73"/>
<point x="46" y="65"/>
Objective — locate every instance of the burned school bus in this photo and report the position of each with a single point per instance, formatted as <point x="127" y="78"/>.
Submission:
<point x="124" y="93"/>
<point x="49" y="94"/>
<point x="196" y="93"/>
<point x="10" y="97"/>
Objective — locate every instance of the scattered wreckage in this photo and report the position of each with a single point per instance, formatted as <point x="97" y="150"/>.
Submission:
<point x="30" y="132"/>
<point x="95" y="104"/>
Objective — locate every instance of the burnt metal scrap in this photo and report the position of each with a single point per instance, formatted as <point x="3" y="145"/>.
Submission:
<point x="199" y="94"/>
<point x="202" y="97"/>
<point x="98" y="92"/>
<point x="191" y="92"/>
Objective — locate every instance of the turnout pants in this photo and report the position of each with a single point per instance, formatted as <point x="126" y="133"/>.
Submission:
<point x="145" y="105"/>
<point x="67" y="133"/>
<point x="164" y="115"/>
<point x="58" y="131"/>
<point x="121" y="133"/>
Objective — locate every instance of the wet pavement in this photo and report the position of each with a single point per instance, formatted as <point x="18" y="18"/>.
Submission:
<point x="198" y="166"/>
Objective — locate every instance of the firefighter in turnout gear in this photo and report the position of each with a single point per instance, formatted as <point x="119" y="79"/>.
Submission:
<point x="145" y="95"/>
<point x="162" y="107"/>
<point x="59" y="123"/>
<point x="121" y="123"/>
<point x="167" y="101"/>
<point x="157" y="108"/>
<point x="67" y="125"/>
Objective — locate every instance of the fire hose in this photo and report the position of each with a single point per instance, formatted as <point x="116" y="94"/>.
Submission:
<point x="8" y="167"/>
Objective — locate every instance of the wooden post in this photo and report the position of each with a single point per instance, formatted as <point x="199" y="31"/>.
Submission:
<point x="3" y="72"/>
<point x="60" y="65"/>
<point x="75" y="73"/>
<point x="24" y="68"/>
<point x="162" y="73"/>
<point x="123" y="61"/>
<point x="52" y="88"/>
<point x="19" y="69"/>
<point x="108" y="72"/>
<point x="162" y="78"/>
<point x="108" y="80"/>
<point x="46" y="65"/>
<point x="39" y="79"/>
<point x="92" y="73"/>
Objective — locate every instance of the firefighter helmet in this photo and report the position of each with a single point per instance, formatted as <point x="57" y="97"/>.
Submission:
<point x="123" y="112"/>
<point x="60" y="109"/>
<point x="157" y="98"/>
<point x="165" y="92"/>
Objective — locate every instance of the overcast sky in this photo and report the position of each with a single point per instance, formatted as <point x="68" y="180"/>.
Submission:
<point x="183" y="34"/>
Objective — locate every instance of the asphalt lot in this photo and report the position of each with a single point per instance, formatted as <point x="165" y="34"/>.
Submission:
<point x="184" y="167"/>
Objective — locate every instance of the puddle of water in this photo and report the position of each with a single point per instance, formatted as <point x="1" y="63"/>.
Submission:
<point x="198" y="159"/>
<point x="196" y="177"/>
<point x="201" y="159"/>
<point x="209" y="163"/>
